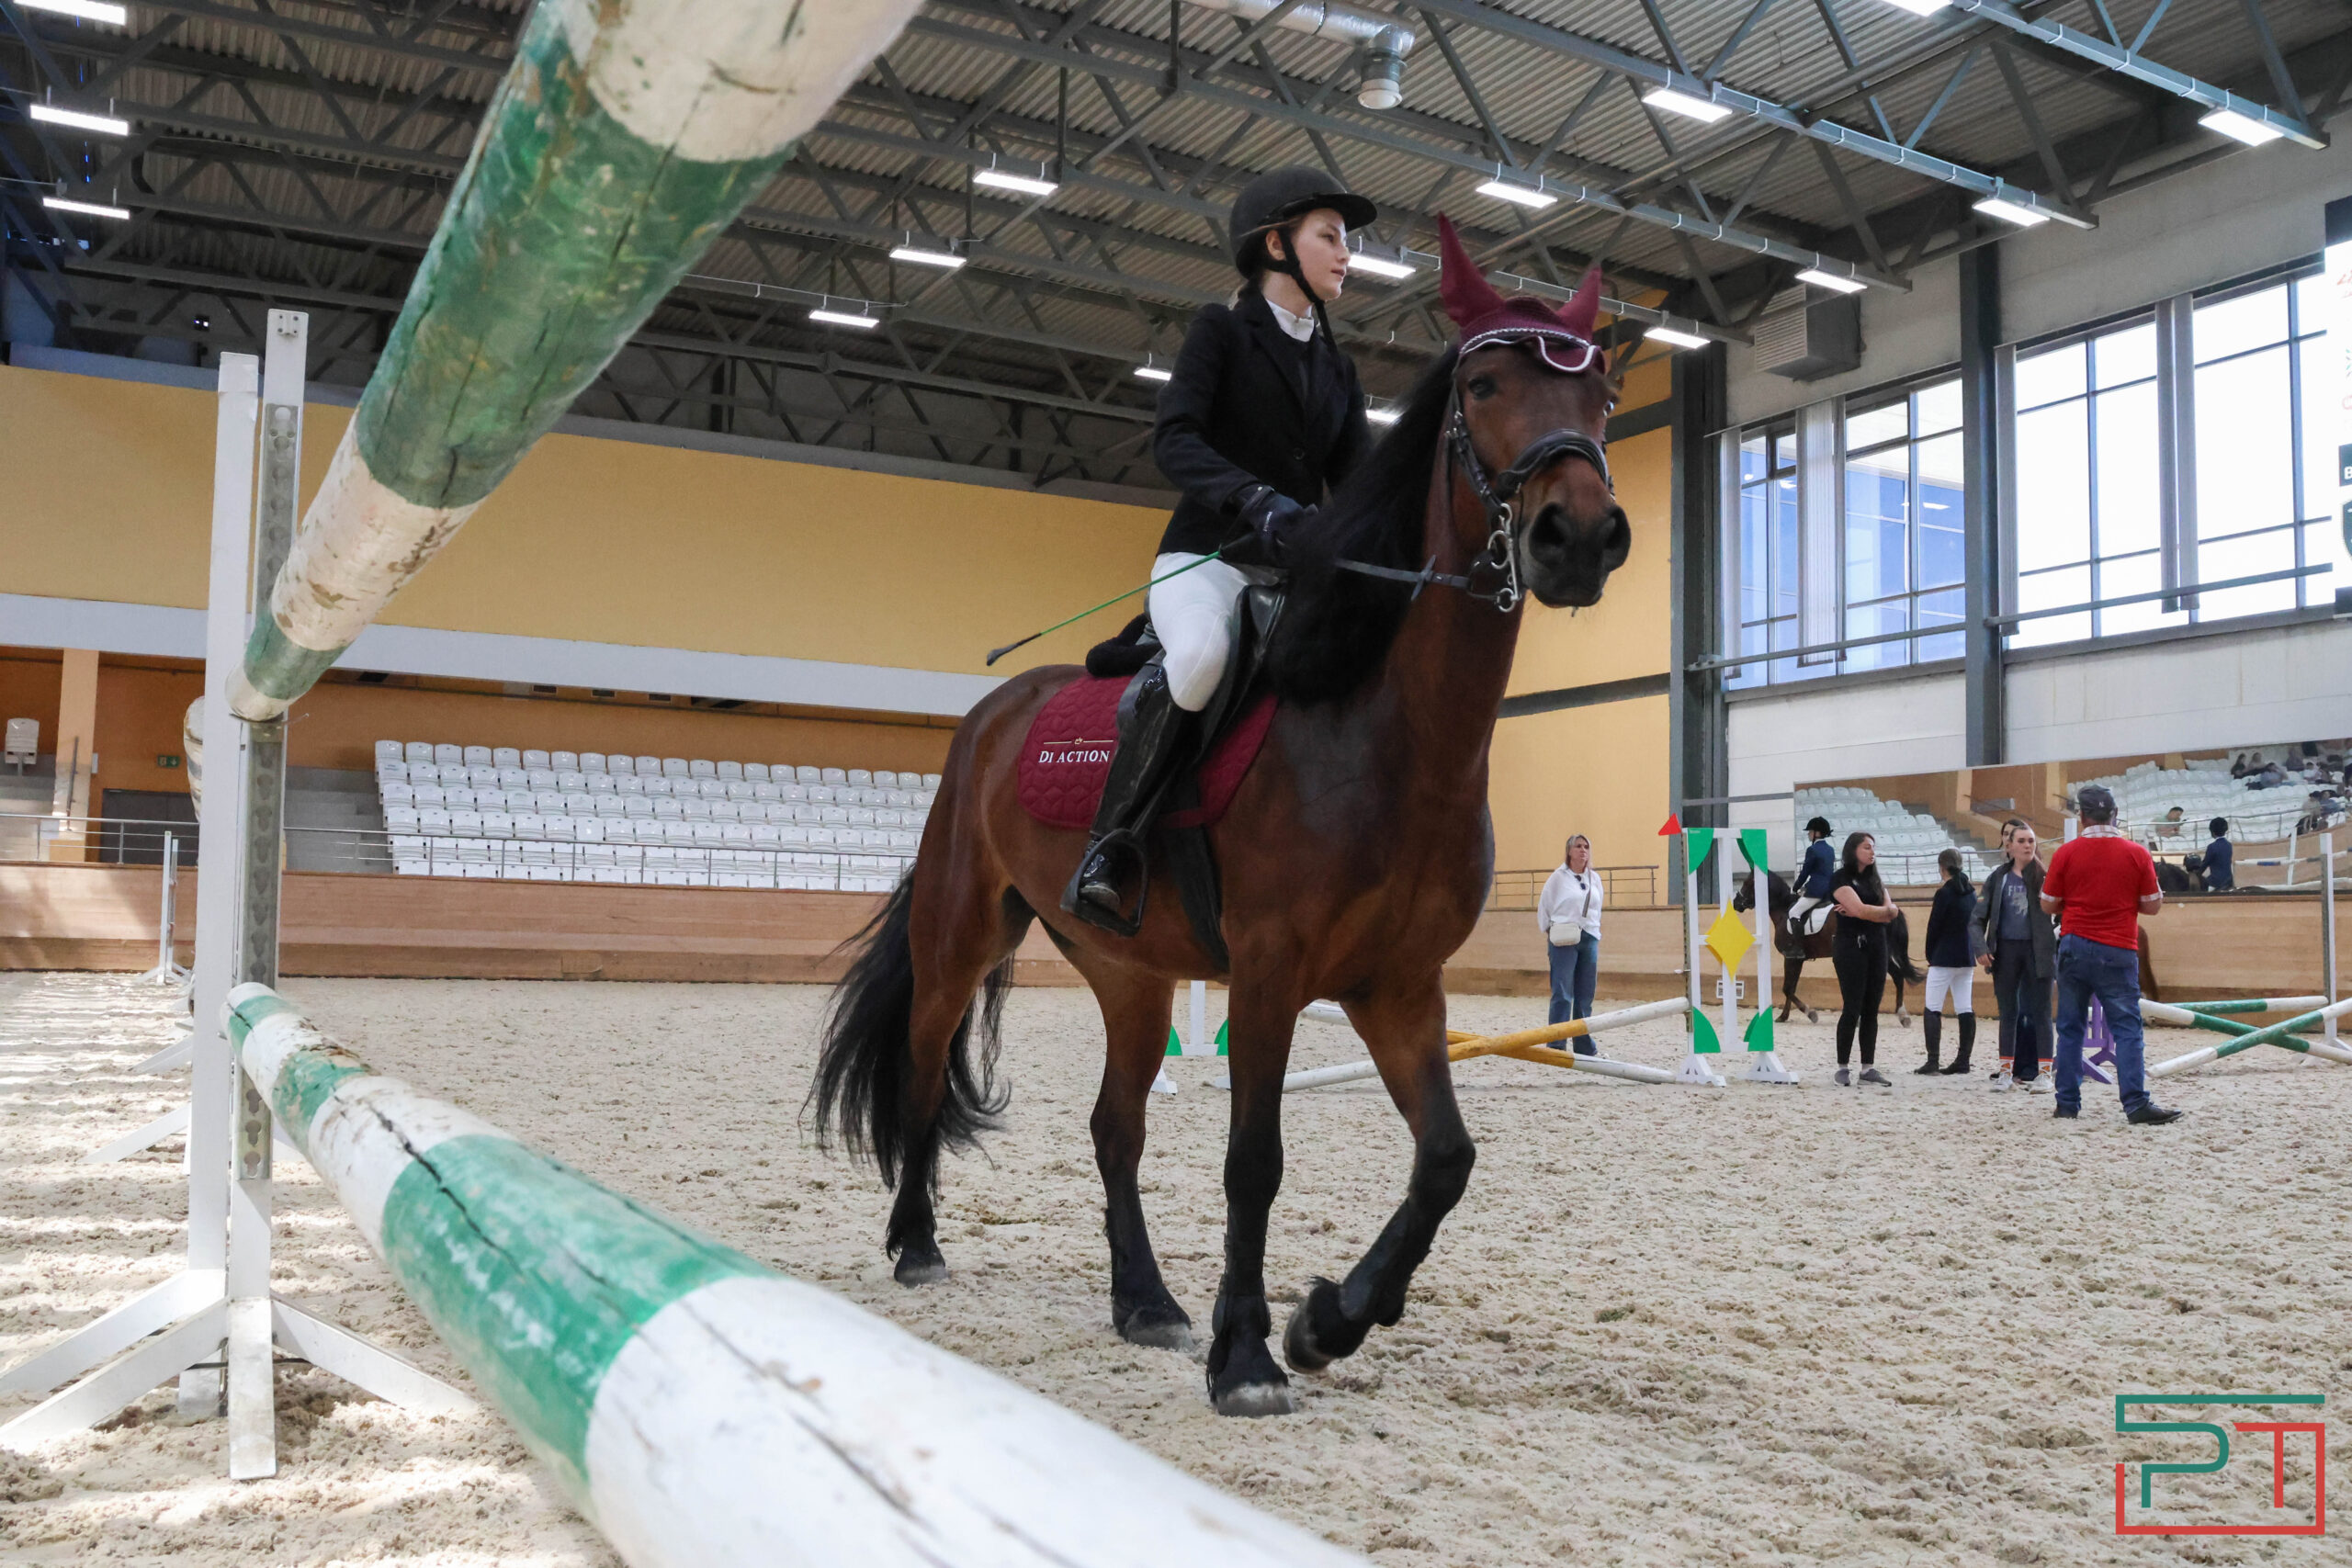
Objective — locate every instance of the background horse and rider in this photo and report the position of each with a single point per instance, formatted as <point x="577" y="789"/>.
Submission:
<point x="1796" y="948"/>
<point x="1355" y="857"/>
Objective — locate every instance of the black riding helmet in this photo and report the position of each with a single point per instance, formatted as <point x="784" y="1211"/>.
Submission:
<point x="1272" y="200"/>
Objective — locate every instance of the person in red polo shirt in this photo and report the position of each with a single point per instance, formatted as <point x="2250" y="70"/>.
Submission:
<point x="2098" y="885"/>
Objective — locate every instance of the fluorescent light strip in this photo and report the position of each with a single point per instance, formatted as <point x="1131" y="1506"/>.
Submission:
<point x="2242" y="127"/>
<point x="1523" y="196"/>
<point x="1703" y="111"/>
<point x="87" y="10"/>
<point x="1154" y="373"/>
<point x="843" y="319"/>
<point x="88" y="209"/>
<point x="922" y="257"/>
<point x="1382" y="416"/>
<point x="1378" y="266"/>
<point x="102" y="124"/>
<point x="1835" y="282"/>
<point x="1674" y="337"/>
<point x="2011" y="212"/>
<point x="1921" y="8"/>
<point x="1024" y="184"/>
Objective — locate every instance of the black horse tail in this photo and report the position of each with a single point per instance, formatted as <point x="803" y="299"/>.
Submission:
<point x="1898" y="951"/>
<point x="862" y="1068"/>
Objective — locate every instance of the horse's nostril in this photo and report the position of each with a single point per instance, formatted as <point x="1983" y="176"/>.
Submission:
<point x="1620" y="543"/>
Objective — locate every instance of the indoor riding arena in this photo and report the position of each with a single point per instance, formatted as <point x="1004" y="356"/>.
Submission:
<point x="1137" y="783"/>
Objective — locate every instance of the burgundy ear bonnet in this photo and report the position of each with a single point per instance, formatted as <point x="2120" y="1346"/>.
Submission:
<point x="1562" y="337"/>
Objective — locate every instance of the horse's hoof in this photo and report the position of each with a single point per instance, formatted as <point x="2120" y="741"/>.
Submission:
<point x="1298" y="1342"/>
<point x="920" y="1266"/>
<point x="1257" y="1399"/>
<point x="1159" y="1334"/>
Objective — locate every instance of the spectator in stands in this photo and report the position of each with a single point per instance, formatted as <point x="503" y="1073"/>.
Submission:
<point x="1858" y="953"/>
<point x="2017" y="944"/>
<point x="1568" y="914"/>
<point x="2169" y="825"/>
<point x="2218" y="864"/>
<point x="2099" y="885"/>
<point x="1811" y="888"/>
<point x="1952" y="966"/>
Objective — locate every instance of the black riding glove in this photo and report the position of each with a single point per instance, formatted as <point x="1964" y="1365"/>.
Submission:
<point x="1266" y="512"/>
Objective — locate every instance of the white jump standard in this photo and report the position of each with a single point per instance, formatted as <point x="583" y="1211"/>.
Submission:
<point x="700" y="1408"/>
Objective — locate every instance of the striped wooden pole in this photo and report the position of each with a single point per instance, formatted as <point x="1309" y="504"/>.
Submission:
<point x="1528" y="1045"/>
<point x="2245" y="1037"/>
<point x="627" y="136"/>
<point x="699" y="1407"/>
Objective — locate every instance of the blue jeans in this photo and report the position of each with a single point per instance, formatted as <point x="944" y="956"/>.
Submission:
<point x="1575" y="971"/>
<point x="2087" y="969"/>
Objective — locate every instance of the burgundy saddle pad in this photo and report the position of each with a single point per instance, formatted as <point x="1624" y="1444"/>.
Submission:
<point x="1075" y="735"/>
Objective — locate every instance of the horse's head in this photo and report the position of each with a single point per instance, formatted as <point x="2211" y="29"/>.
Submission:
<point x="1532" y="390"/>
<point x="1745" y="900"/>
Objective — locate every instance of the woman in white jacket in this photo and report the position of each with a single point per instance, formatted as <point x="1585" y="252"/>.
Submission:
<point x="1568" y="914"/>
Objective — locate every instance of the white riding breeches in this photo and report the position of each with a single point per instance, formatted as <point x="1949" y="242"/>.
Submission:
<point x="1952" y="983"/>
<point x="1195" y="617"/>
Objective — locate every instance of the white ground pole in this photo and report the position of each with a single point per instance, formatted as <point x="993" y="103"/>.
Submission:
<point x="1632" y="1072"/>
<point x="180" y="1327"/>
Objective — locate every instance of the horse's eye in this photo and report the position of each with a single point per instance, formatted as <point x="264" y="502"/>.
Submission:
<point x="1482" y="387"/>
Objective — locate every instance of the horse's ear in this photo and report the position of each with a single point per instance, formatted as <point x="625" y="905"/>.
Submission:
<point x="1461" y="288"/>
<point x="1580" y="313"/>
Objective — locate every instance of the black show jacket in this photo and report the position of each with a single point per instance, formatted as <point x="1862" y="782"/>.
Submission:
<point x="1249" y="404"/>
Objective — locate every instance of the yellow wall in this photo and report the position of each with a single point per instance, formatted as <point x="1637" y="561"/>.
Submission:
<point x="1598" y="770"/>
<point x="1626" y="634"/>
<point x="109" y="485"/>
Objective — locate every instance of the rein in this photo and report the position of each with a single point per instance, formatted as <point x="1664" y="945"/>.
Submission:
<point x="1495" y="493"/>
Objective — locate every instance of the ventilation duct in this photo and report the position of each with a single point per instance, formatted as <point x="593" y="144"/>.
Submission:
<point x="1805" y="338"/>
<point x="1385" y="43"/>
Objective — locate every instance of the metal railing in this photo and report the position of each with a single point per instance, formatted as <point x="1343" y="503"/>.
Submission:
<point x="1623" y="887"/>
<point x="109" y="841"/>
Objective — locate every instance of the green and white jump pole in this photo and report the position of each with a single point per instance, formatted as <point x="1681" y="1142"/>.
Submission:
<point x="627" y="136"/>
<point x="699" y="1407"/>
<point x="2246" y="1037"/>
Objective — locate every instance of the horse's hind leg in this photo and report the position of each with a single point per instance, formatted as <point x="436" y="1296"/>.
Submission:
<point x="1135" y="1021"/>
<point x="1406" y="1033"/>
<point x="959" y="933"/>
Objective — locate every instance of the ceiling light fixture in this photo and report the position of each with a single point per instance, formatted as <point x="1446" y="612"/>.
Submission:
<point x="1522" y="196"/>
<point x="1004" y="179"/>
<point x="87" y="10"/>
<point x="1674" y="337"/>
<point x="921" y="257"/>
<point x="99" y="124"/>
<point x="1704" y="110"/>
<point x="2008" y="211"/>
<point x="1922" y="8"/>
<point x="2241" y="127"/>
<point x="1378" y="266"/>
<point x="834" y="318"/>
<point x="88" y="209"/>
<point x="1382" y="416"/>
<point x="1154" y="373"/>
<point x="1835" y="282"/>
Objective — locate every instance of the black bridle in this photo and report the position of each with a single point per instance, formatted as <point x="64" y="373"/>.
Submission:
<point x="1496" y="494"/>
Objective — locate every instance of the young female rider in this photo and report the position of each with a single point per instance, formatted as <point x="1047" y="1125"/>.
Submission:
<point x="1262" y="418"/>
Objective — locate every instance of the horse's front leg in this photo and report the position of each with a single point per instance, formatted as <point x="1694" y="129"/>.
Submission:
<point x="1244" y="1379"/>
<point x="1406" y="1033"/>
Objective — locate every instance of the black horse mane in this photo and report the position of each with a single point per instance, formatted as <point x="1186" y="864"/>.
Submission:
<point x="1338" y="625"/>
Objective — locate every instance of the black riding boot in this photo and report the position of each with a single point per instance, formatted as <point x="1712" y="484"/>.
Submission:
<point x="1931" y="1024"/>
<point x="1967" y="1044"/>
<point x="1108" y="889"/>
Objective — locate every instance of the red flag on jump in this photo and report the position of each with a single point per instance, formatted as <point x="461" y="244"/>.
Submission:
<point x="1673" y="825"/>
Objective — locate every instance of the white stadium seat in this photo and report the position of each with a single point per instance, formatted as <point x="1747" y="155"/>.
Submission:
<point x="859" y="778"/>
<point x="479" y="757"/>
<point x="592" y="762"/>
<point x="497" y="824"/>
<point x="564" y="761"/>
<point x="675" y="768"/>
<point x="444" y="753"/>
<point x="701" y="767"/>
<point x="534" y="759"/>
<point x="755" y="772"/>
<point x="419" y="750"/>
<point x="505" y="757"/>
<point x="389" y="751"/>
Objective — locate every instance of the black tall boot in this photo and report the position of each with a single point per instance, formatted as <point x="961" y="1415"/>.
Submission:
<point x="1967" y="1044"/>
<point x="1108" y="889"/>
<point x="1931" y="1024"/>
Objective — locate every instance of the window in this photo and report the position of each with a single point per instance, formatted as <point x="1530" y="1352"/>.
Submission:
<point x="2251" y="469"/>
<point x="1768" y="551"/>
<point x="1903" y="555"/>
<point x="1875" y="554"/>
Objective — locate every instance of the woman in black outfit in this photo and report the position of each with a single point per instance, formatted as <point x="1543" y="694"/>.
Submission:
<point x="2021" y="950"/>
<point x="1951" y="966"/>
<point x="1261" y="418"/>
<point x="1859" y="952"/>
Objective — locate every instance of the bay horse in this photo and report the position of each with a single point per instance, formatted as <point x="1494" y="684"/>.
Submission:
<point x="1355" y="856"/>
<point x="1795" y="950"/>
